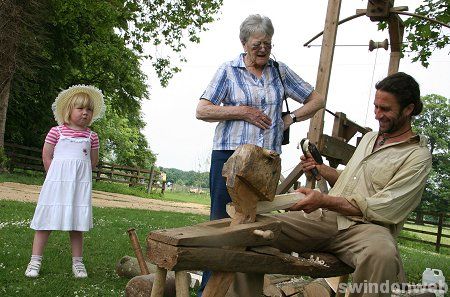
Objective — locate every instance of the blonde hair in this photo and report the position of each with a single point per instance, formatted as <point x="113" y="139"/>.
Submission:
<point x="77" y="100"/>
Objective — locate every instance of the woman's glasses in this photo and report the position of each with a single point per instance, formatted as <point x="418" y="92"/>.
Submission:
<point x="259" y="45"/>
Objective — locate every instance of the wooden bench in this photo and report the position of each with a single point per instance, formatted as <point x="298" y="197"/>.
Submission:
<point x="217" y="246"/>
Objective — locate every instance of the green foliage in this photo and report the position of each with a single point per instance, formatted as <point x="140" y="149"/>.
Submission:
<point x="167" y="26"/>
<point x="187" y="178"/>
<point x="434" y="122"/>
<point x="100" y="43"/>
<point x="3" y="159"/>
<point x="104" y="246"/>
<point x="127" y="147"/>
<point x="416" y="257"/>
<point x="23" y="177"/>
<point x="424" y="37"/>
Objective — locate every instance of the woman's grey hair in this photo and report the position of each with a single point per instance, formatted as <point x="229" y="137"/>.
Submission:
<point x="255" y="24"/>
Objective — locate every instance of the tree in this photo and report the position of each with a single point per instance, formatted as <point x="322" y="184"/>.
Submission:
<point x="424" y="37"/>
<point x="20" y="39"/>
<point x="100" y="43"/>
<point x="434" y="123"/>
<point x="187" y="178"/>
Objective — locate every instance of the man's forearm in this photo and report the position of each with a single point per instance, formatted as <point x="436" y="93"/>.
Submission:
<point x="328" y="173"/>
<point x="341" y="205"/>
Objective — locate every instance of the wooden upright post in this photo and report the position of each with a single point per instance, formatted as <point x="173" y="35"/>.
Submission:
<point x="322" y="84"/>
<point x="324" y="72"/>
<point x="325" y="63"/>
<point x="396" y="29"/>
<point x="150" y="180"/>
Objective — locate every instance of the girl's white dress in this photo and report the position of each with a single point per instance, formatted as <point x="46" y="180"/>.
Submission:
<point x="65" y="200"/>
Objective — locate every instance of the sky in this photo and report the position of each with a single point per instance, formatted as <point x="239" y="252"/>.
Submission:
<point x="181" y="141"/>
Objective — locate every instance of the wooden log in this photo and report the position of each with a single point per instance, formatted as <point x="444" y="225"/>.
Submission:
<point x="334" y="282"/>
<point x="182" y="280"/>
<point x="218" y="233"/>
<point x="260" y="261"/>
<point x="252" y="174"/>
<point x="317" y="288"/>
<point x="271" y="290"/>
<point x="293" y="286"/>
<point x="259" y="168"/>
<point x="270" y="281"/>
<point x="218" y="284"/>
<point x="129" y="267"/>
<point x="159" y="282"/>
<point x="141" y="286"/>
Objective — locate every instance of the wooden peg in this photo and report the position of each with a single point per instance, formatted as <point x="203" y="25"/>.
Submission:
<point x="268" y="234"/>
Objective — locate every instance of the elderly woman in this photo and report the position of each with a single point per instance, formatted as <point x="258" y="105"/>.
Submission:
<point x="246" y="96"/>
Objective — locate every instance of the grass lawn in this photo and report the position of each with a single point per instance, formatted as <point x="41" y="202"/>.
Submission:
<point x="104" y="246"/>
<point x="108" y="242"/>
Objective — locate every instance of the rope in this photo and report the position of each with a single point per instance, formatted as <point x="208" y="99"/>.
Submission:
<point x="371" y="84"/>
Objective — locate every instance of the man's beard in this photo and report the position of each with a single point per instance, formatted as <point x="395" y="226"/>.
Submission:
<point x="396" y="124"/>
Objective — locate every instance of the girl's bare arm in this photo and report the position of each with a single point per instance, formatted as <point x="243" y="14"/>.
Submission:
<point x="47" y="155"/>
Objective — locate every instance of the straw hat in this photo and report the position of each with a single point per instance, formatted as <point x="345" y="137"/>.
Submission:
<point x="64" y="97"/>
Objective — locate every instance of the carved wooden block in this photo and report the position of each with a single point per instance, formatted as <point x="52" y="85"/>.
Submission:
<point x="252" y="174"/>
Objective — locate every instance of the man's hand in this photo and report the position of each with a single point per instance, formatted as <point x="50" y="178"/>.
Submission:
<point x="308" y="163"/>
<point x="312" y="200"/>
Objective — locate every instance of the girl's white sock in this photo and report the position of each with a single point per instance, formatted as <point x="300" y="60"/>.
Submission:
<point x="77" y="260"/>
<point x="36" y="258"/>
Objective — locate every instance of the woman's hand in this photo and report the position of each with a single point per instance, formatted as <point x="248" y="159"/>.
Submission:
<point x="209" y="112"/>
<point x="256" y="117"/>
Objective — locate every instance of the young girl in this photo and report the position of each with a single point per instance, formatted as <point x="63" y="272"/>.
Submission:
<point x="69" y="154"/>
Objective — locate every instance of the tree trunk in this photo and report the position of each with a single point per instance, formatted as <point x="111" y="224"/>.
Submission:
<point x="419" y="218"/>
<point x="4" y="99"/>
<point x="11" y="13"/>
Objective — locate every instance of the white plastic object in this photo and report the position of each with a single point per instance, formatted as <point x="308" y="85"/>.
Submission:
<point x="434" y="277"/>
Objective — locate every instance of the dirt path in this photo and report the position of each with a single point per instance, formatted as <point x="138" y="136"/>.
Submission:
<point x="30" y="193"/>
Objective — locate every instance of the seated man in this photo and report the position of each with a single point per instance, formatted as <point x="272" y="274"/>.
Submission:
<point x="369" y="200"/>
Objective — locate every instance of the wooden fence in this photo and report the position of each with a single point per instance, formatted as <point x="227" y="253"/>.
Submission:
<point x="30" y="158"/>
<point x="429" y="219"/>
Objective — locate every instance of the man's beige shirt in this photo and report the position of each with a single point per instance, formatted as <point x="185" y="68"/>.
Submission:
<point x="387" y="184"/>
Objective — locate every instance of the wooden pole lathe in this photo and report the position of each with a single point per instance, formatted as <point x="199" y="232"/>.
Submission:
<point x="324" y="72"/>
